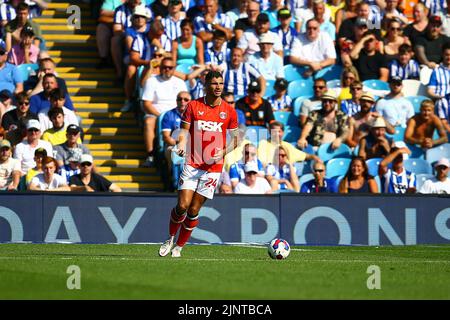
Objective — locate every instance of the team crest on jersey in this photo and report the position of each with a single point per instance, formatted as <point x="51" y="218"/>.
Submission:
<point x="200" y="113"/>
<point x="223" y="115"/>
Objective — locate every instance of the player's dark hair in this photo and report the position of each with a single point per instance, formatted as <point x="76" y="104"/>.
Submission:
<point x="212" y="74"/>
<point x="53" y="112"/>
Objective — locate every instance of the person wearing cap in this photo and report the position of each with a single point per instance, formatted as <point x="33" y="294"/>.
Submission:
<point x="428" y="48"/>
<point x="285" y="31"/>
<point x="269" y="64"/>
<point x="238" y="74"/>
<point x="439" y="84"/>
<point x="396" y="179"/>
<point x="49" y="179"/>
<point x="313" y="49"/>
<point x="9" y="168"/>
<point x="281" y="173"/>
<point x="57" y="101"/>
<point x="5" y="102"/>
<point x="249" y="22"/>
<point x="421" y="127"/>
<point x="252" y="184"/>
<point x="25" y="51"/>
<point x="10" y="77"/>
<point x="72" y="146"/>
<point x="257" y="110"/>
<point x="376" y="144"/>
<point x="394" y="107"/>
<point x="210" y="21"/>
<point x="249" y="42"/>
<point x="440" y="183"/>
<point x="87" y="180"/>
<point x="315" y="102"/>
<point x="327" y="125"/>
<point x="39" y="155"/>
<point x="280" y="101"/>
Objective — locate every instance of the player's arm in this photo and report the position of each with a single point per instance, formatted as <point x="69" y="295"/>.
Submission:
<point x="182" y="138"/>
<point x="234" y="133"/>
<point x="439" y="126"/>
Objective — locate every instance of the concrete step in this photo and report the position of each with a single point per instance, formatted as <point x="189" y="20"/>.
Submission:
<point x="86" y="76"/>
<point x="122" y="123"/>
<point x="63" y="21"/>
<point x="124" y="163"/>
<point x="82" y="62"/>
<point x="118" y="154"/>
<point x="127" y="171"/>
<point x="84" y="70"/>
<point x="102" y="92"/>
<point x="63" y="5"/>
<point x="67" y="30"/>
<point x="68" y="38"/>
<point x="89" y="84"/>
<point x="133" y="178"/>
<point x="99" y="107"/>
<point x="135" y="187"/>
<point x="106" y="115"/>
<point x="114" y="131"/>
<point x="95" y="138"/>
<point x="114" y="146"/>
<point x="72" y="53"/>
<point x="70" y="46"/>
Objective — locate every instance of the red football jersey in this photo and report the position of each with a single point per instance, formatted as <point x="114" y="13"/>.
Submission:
<point x="208" y="132"/>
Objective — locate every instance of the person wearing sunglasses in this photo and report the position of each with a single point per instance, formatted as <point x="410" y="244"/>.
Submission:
<point x="315" y="102"/>
<point x="393" y="39"/>
<point x="89" y="181"/>
<point x="319" y="184"/>
<point x="281" y="173"/>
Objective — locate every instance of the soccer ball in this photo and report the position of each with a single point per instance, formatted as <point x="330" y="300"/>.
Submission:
<point x="279" y="249"/>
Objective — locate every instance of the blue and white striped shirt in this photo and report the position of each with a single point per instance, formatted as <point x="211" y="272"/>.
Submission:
<point x="263" y="4"/>
<point x="237" y="80"/>
<point x="436" y="7"/>
<point x="350" y="107"/>
<point x="8" y="13"/>
<point x="237" y="170"/>
<point x="286" y="38"/>
<point x="220" y="58"/>
<point x="394" y="182"/>
<point x="279" y="173"/>
<point x="284" y="103"/>
<point x="198" y="90"/>
<point x="122" y="15"/>
<point x="141" y="44"/>
<point x="171" y="28"/>
<point x="443" y="108"/>
<point x="220" y="19"/>
<point x="440" y="80"/>
<point x="410" y="71"/>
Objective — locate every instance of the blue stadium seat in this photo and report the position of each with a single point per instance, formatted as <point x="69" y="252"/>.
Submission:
<point x="291" y="133"/>
<point x="335" y="183"/>
<point x="325" y="152"/>
<point x="418" y="166"/>
<point x="398" y="135"/>
<point x="378" y="181"/>
<point x="375" y="84"/>
<point x="270" y="90"/>
<point x="287" y="118"/>
<point x="292" y="72"/>
<point x="304" y="178"/>
<point x="416" y="151"/>
<point x="184" y="68"/>
<point x="373" y="165"/>
<point x="300" y="87"/>
<point x="337" y="167"/>
<point x="27" y="69"/>
<point x="256" y="134"/>
<point x="435" y="154"/>
<point x="330" y="73"/>
<point x="334" y="84"/>
<point x="421" y="178"/>
<point x="413" y="87"/>
<point x="159" y="131"/>
<point x="416" y="101"/>
<point x="298" y="104"/>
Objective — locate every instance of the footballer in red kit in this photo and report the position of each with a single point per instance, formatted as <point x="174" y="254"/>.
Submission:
<point x="204" y="127"/>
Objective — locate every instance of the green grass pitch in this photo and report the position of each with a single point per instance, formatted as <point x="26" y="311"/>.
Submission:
<point x="39" y="271"/>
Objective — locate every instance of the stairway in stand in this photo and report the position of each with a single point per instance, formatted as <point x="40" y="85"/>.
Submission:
<point x="113" y="137"/>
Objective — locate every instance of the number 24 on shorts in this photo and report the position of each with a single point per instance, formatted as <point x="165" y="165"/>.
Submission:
<point x="211" y="183"/>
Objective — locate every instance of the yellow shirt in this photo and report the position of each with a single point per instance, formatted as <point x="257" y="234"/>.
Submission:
<point x="235" y="155"/>
<point x="266" y="151"/>
<point x="30" y="175"/>
<point x="334" y="10"/>
<point x="56" y="137"/>
<point x="344" y="95"/>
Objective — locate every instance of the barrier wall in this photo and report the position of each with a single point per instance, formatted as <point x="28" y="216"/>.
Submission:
<point x="300" y="219"/>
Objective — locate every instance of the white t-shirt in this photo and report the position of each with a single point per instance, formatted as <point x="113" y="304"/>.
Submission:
<point x="69" y="118"/>
<point x="57" y="181"/>
<point x="6" y="170"/>
<point x="249" y="42"/>
<point x="261" y="186"/>
<point x="25" y="153"/>
<point x="316" y="51"/>
<point x="163" y="93"/>
<point x="433" y="185"/>
<point x="396" y="111"/>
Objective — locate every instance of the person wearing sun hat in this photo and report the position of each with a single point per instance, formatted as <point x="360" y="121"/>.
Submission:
<point x="440" y="183"/>
<point x="376" y="144"/>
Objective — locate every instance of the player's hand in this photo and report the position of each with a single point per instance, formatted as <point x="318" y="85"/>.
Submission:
<point x="179" y="150"/>
<point x="218" y="156"/>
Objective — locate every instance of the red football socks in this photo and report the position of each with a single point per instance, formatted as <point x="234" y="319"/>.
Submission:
<point x="185" y="233"/>
<point x="175" y="222"/>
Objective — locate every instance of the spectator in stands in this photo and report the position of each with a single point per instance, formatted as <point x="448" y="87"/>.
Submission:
<point x="319" y="184"/>
<point x="159" y="95"/>
<point x="281" y="173"/>
<point x="14" y="28"/>
<point x="151" y="68"/>
<point x="5" y="102"/>
<point x="368" y="60"/>
<point x="252" y="184"/>
<point x="398" y="179"/>
<point x="160" y="9"/>
<point x="14" y="121"/>
<point x="229" y="98"/>
<point x="239" y="12"/>
<point x="57" y="133"/>
<point x="272" y="12"/>
<point x="249" y="22"/>
<point x="404" y="66"/>
<point x="210" y="21"/>
<point x="57" y="100"/>
<point x="197" y="80"/>
<point x="419" y="25"/>
<point x="249" y="42"/>
<point x="71" y="147"/>
<point x="285" y="32"/>
<point x="349" y="76"/>
<point x="390" y="12"/>
<point x="360" y="28"/>
<point x="10" y="78"/>
<point x="313" y="49"/>
<point x="267" y="148"/>
<point x="327" y="125"/>
<point x="219" y="54"/>
<point x="34" y="84"/>
<point x="352" y="106"/>
<point x="421" y="127"/>
<point x="304" y="10"/>
<point x="446" y="20"/>
<point x="315" y="102"/>
<point x="41" y="101"/>
<point x="71" y="169"/>
<point x="441" y="182"/>
<point x="39" y="155"/>
<point x="172" y="21"/>
<point x="393" y="39"/>
<point x="49" y="180"/>
<point x="239" y="74"/>
<point x="439" y="84"/>
<point x="394" y="107"/>
<point x="25" y="51"/>
<point x="8" y="9"/>
<point x="322" y="15"/>
<point x="376" y="144"/>
<point x="104" y="30"/>
<point x="188" y="49"/>
<point x="24" y="151"/>
<point x="87" y="180"/>
<point x="357" y="178"/>
<point x="444" y="113"/>
<point x="257" y="110"/>
<point x="280" y="101"/>
<point x="9" y="168"/>
<point x="350" y="10"/>
<point x="236" y="172"/>
<point x="429" y="47"/>
<point x="267" y="62"/>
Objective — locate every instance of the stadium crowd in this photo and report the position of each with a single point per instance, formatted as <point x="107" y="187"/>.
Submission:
<point x="331" y="96"/>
